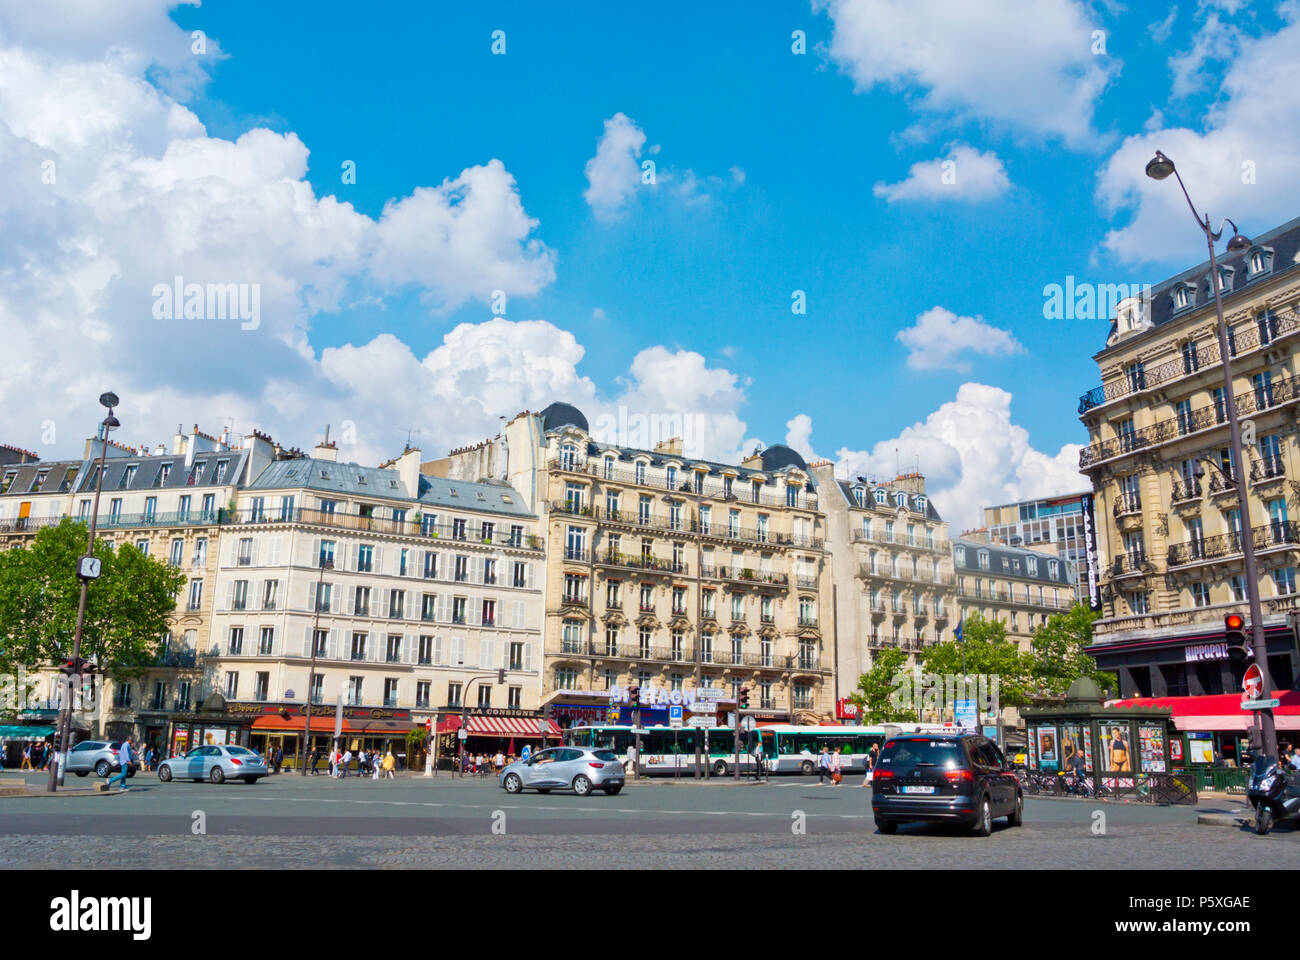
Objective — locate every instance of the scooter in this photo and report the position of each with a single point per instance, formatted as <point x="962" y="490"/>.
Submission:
<point x="1274" y="792"/>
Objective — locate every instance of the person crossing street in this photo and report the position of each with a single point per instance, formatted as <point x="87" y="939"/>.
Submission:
<point x="124" y="758"/>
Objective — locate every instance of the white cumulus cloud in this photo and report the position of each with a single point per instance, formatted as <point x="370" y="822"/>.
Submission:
<point x="964" y="174"/>
<point x="940" y="338"/>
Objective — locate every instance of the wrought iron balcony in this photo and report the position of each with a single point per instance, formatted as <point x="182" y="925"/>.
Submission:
<point x="1127" y="502"/>
<point x="1267" y="468"/>
<point x="1206" y="356"/>
<point x="1275" y="534"/>
<point x="1186" y="489"/>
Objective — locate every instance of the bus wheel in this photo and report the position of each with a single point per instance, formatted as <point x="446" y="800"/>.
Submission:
<point x="720" y="768"/>
<point x="807" y="768"/>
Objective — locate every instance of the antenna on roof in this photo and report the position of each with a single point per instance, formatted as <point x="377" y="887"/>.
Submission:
<point x="409" y="431"/>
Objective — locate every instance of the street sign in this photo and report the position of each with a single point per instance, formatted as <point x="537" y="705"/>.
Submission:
<point x="428" y="724"/>
<point x="709" y="693"/>
<point x="748" y="723"/>
<point x="462" y="733"/>
<point x="1261" y="704"/>
<point x="703" y="720"/>
<point x="1253" y="682"/>
<point x="675" y="716"/>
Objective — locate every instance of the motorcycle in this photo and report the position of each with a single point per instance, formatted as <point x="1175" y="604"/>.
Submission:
<point x="1274" y="792"/>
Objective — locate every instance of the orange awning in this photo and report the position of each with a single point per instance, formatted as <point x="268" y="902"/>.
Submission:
<point x="272" y="723"/>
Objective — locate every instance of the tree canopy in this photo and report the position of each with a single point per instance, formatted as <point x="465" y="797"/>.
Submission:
<point x="874" y="694"/>
<point x="128" y="608"/>
<point x="1058" y="655"/>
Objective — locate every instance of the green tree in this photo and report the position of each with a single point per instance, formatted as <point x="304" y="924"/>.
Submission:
<point x="876" y="688"/>
<point x="1058" y="657"/>
<point x="985" y="649"/>
<point x="128" y="609"/>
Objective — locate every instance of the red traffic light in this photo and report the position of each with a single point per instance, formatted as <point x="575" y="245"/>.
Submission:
<point x="1234" y="622"/>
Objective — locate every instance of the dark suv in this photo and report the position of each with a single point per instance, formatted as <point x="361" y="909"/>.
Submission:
<point x="950" y="777"/>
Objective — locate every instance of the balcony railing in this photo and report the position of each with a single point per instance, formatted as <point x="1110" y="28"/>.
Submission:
<point x="1186" y="489"/>
<point x="1249" y="402"/>
<point x="1206" y="356"/>
<point x="632" y="561"/>
<point x="1267" y="468"/>
<point x="1275" y="534"/>
<point x="656" y="523"/>
<point x="1127" y="564"/>
<point x="1127" y="501"/>
<point x="406" y="528"/>
<point x="684" y="483"/>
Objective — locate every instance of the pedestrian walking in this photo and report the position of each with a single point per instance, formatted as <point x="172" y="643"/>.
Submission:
<point x="347" y="760"/>
<point x="823" y="766"/>
<point x="124" y="758"/>
<point x="499" y="760"/>
<point x="835" y="767"/>
<point x="315" y="762"/>
<point x="27" y="758"/>
<point x="867" y="763"/>
<point x="279" y="758"/>
<point x="390" y="764"/>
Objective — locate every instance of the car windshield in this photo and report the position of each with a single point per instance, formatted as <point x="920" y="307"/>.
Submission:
<point x="939" y="753"/>
<point x="237" y="751"/>
<point x="605" y="755"/>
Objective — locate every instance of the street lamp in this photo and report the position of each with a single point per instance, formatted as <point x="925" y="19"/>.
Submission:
<point x="1159" y="168"/>
<point x="87" y="570"/>
<point x="311" y="673"/>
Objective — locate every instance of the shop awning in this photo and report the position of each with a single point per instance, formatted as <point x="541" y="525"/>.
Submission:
<point x="273" y="723"/>
<point x="1219" y="711"/>
<point x="25" y="733"/>
<point x="392" y="728"/>
<point x="508" y="727"/>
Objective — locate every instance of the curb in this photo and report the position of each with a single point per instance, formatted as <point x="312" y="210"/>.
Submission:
<point x="1226" y="820"/>
<point x="10" y="790"/>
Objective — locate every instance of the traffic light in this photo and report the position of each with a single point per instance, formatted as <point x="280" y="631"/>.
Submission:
<point x="634" y="696"/>
<point x="1234" y="632"/>
<point x="501" y="675"/>
<point x="744" y="698"/>
<point x="69" y="668"/>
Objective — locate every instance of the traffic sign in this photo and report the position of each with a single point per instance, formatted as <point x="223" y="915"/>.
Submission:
<point x="709" y="693"/>
<point x="703" y="720"/>
<point x="1261" y="704"/>
<point x="675" y="716"/>
<point x="428" y="724"/>
<point x="748" y="723"/>
<point x="462" y="733"/>
<point x="1253" y="682"/>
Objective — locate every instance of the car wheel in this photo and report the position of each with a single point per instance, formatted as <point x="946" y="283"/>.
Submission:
<point x="1017" y="816"/>
<point x="165" y="774"/>
<point x="513" y="784"/>
<point x="886" y="826"/>
<point x="101" y="769"/>
<point x="613" y="791"/>
<point x="720" y="768"/>
<point x="984" y="825"/>
<point x="581" y="785"/>
<point x="217" y="775"/>
<point x="807" y="768"/>
<point x="1263" y="819"/>
<point x="81" y="773"/>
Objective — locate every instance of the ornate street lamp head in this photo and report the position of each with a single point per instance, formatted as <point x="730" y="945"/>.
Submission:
<point x="1159" y="167"/>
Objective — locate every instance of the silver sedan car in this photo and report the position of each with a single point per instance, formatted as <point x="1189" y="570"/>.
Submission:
<point x="215" y="763"/>
<point x="580" y="769"/>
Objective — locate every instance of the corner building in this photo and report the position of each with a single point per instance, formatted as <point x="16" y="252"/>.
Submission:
<point x="672" y="572"/>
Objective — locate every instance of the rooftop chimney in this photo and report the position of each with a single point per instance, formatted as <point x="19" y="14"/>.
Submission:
<point x="325" y="450"/>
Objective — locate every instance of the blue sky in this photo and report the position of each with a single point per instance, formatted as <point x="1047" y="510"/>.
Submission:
<point x="768" y="168"/>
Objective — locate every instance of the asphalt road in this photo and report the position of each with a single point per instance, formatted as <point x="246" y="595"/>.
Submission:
<point x="290" y="821"/>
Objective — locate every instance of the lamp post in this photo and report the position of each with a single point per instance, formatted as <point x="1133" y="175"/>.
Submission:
<point x="311" y="673"/>
<point x="1159" y="168"/>
<point x="87" y="570"/>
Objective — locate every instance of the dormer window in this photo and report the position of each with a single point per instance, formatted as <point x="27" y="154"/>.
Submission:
<point x="881" y="497"/>
<point x="640" y="471"/>
<point x="1184" y="296"/>
<point x="900" y="499"/>
<point x="1260" y="260"/>
<point x="568" y="456"/>
<point x="609" y="468"/>
<point x="959" y="554"/>
<point x="1224" y="279"/>
<point x="984" y="559"/>
<point x="859" y="496"/>
<point x="920" y="504"/>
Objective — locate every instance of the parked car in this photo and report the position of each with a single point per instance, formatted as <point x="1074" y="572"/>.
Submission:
<point x="98" y="757"/>
<point x="215" y="763"/>
<point x="580" y="769"/>
<point x="959" y="778"/>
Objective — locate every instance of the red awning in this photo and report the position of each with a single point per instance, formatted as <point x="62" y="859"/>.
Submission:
<point x="273" y="723"/>
<point x="508" y="727"/>
<point x="1219" y="711"/>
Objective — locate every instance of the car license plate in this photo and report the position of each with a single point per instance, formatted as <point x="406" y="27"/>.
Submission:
<point x="918" y="789"/>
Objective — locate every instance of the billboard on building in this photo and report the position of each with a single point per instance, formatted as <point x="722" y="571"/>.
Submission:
<point x="1090" y="553"/>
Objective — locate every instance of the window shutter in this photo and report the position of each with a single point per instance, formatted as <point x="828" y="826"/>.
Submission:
<point x="519" y="614"/>
<point x="314" y="560"/>
<point x="408" y="649"/>
<point x="228" y="551"/>
<point x="437" y="650"/>
<point x="306" y="645"/>
<point x="379" y="560"/>
<point x="372" y="647"/>
<point x="474" y="613"/>
<point x="332" y="645"/>
<point x="530" y="576"/>
<point x="388" y="603"/>
<point x="254" y="560"/>
<point x="352" y="600"/>
<point x="356" y="556"/>
<point x="528" y="656"/>
<point x="275" y="543"/>
<point x="444" y="615"/>
<point x="230" y="589"/>
<point x="458" y="652"/>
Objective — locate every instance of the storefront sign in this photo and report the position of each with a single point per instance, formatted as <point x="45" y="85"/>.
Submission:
<point x="846" y="709"/>
<point x="1205" y="651"/>
<point x="657" y="696"/>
